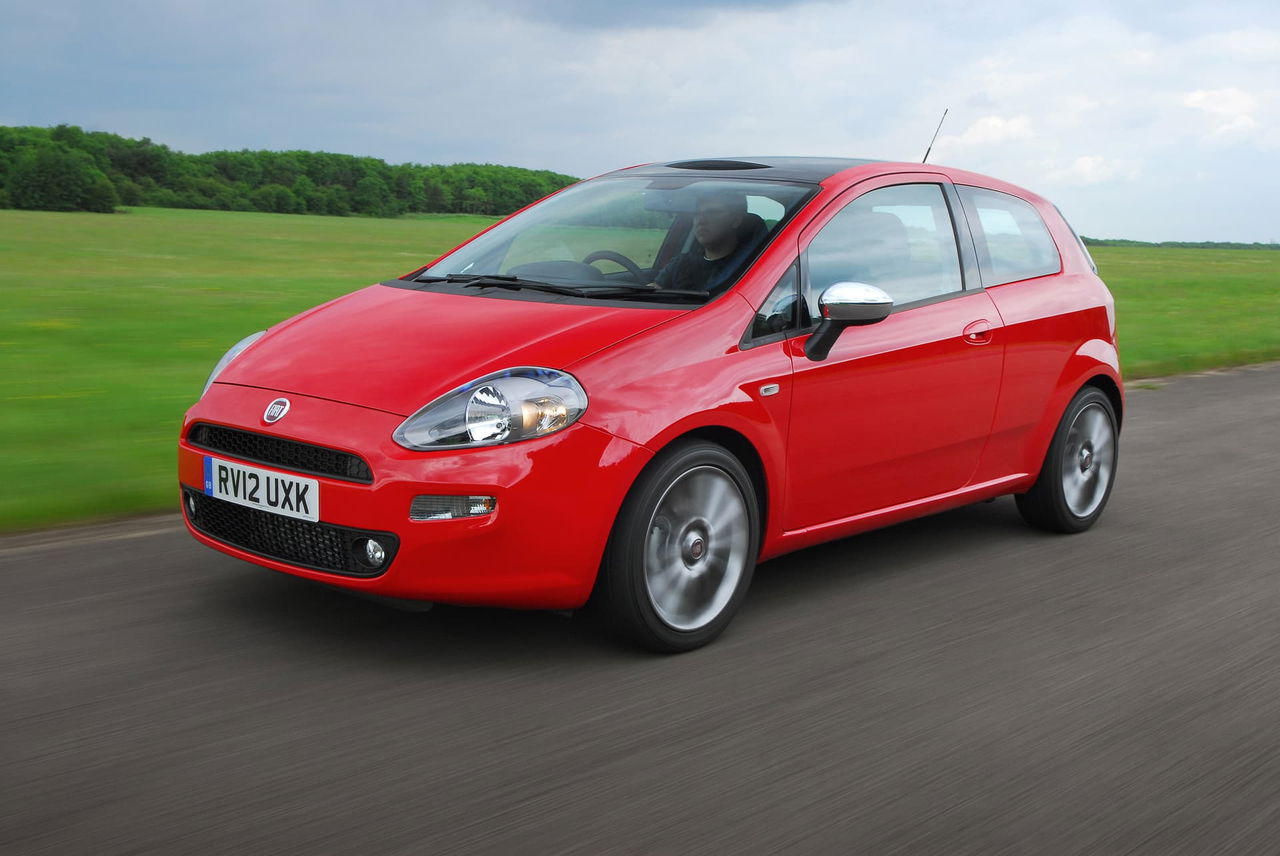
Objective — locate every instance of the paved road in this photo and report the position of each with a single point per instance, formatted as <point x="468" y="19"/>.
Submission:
<point x="955" y="685"/>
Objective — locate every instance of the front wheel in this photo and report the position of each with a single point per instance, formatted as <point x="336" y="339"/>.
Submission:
<point x="683" y="549"/>
<point x="1079" y="470"/>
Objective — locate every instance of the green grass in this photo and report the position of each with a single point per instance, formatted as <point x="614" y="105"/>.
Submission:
<point x="1181" y="310"/>
<point x="110" y="325"/>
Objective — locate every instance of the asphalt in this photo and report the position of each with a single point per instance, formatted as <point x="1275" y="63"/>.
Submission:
<point x="960" y="684"/>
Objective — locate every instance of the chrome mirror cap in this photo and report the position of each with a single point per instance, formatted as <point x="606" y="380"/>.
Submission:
<point x="855" y="303"/>
<point x="845" y="304"/>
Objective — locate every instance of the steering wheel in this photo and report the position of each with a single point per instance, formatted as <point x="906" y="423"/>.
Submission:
<point x="617" y="258"/>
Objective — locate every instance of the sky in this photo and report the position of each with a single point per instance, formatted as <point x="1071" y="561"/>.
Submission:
<point x="1142" y="120"/>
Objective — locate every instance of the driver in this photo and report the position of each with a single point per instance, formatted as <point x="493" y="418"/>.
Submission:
<point x="719" y="215"/>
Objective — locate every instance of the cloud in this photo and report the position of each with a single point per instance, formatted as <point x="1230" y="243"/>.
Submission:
<point x="1230" y="110"/>
<point x="992" y="129"/>
<point x="1252" y="45"/>
<point x="593" y="14"/>
<point x="1094" y="169"/>
<point x="1104" y="108"/>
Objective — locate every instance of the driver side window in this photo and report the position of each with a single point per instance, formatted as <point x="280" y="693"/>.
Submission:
<point x="899" y="239"/>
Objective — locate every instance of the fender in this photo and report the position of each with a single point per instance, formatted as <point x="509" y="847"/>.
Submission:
<point x="742" y="421"/>
<point x="1094" y="358"/>
<point x="709" y="386"/>
<point x="745" y="440"/>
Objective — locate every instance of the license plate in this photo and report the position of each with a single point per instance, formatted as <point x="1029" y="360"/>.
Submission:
<point x="262" y="489"/>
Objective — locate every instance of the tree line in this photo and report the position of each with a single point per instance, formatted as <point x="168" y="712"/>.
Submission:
<point x="69" y="169"/>
<point x="1185" y="245"/>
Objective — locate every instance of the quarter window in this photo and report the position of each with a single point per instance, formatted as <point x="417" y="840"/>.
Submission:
<point x="1012" y="240"/>
<point x="781" y="312"/>
<point x="898" y="238"/>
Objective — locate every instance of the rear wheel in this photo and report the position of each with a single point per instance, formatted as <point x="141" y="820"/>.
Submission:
<point x="1079" y="469"/>
<point x="683" y="549"/>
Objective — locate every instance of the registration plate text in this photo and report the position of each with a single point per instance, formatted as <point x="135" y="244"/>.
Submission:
<point x="277" y="493"/>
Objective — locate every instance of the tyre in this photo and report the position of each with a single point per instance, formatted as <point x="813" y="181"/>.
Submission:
<point x="1079" y="469"/>
<point x="683" y="549"/>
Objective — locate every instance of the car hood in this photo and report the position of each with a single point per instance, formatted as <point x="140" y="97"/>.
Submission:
<point x="396" y="349"/>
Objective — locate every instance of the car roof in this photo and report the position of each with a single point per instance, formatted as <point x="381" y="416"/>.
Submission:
<point x="773" y="168"/>
<point x="816" y="170"/>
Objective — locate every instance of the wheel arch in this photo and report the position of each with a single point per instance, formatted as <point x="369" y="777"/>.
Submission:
<point x="1108" y="385"/>
<point x="738" y="445"/>
<point x="1095" y="363"/>
<point x="614" y="598"/>
<point x="745" y="451"/>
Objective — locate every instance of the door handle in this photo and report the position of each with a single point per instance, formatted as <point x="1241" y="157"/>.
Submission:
<point x="978" y="333"/>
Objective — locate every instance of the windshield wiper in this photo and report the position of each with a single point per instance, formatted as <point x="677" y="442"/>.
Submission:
<point x="505" y="280"/>
<point x="629" y="290"/>
<point x="500" y="280"/>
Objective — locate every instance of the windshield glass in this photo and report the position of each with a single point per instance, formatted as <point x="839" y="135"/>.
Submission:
<point x="676" y="233"/>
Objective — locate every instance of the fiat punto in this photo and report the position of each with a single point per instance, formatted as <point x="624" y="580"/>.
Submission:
<point x="628" y="394"/>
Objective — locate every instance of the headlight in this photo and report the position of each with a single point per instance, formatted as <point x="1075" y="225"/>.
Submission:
<point x="504" y="407"/>
<point x="230" y="355"/>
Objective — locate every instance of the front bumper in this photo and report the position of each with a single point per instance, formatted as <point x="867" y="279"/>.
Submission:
<point x="541" y="547"/>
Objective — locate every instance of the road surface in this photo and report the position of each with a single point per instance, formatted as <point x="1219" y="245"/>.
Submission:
<point x="960" y="684"/>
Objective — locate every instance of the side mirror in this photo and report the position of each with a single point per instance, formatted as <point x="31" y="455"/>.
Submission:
<point x="846" y="304"/>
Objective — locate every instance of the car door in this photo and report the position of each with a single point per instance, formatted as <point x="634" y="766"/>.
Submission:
<point x="899" y="410"/>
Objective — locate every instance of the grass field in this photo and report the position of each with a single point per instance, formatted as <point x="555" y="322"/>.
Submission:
<point x="1181" y="310"/>
<point x="111" y="325"/>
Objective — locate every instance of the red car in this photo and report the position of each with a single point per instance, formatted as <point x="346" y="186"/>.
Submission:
<point x="631" y="392"/>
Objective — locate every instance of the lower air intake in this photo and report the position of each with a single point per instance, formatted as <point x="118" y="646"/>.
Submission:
<point x="318" y="546"/>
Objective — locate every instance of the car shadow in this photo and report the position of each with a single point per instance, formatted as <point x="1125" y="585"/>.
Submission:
<point x="892" y="550"/>
<point x="347" y="626"/>
<point x="295" y="613"/>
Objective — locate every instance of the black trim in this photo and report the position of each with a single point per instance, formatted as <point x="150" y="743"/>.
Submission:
<point x="529" y="295"/>
<point x="747" y="343"/>
<point x="717" y="165"/>
<point x="780" y="168"/>
<point x="970" y="270"/>
<point x="255" y="531"/>
<point x="929" y="301"/>
<point x="278" y="452"/>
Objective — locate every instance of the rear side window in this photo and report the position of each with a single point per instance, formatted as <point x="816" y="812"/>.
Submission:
<point x="1012" y="240"/>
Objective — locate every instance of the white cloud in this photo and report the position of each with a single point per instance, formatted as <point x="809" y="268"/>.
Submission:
<point x="1231" y="110"/>
<point x="1094" y="169"/>
<point x="1244" y="45"/>
<point x="992" y="129"/>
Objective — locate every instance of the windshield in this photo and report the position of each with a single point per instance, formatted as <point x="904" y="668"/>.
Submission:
<point x="663" y="235"/>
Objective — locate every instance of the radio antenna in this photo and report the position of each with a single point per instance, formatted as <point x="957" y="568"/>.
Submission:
<point x="935" y="136"/>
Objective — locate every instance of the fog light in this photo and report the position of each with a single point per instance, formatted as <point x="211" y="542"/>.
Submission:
<point x="191" y="506"/>
<point x="450" y="507"/>
<point x="374" y="554"/>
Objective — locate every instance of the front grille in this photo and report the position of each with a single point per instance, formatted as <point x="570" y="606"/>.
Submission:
<point x="279" y="452"/>
<point x="319" y="546"/>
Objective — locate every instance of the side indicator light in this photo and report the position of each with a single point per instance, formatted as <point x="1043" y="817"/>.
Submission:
<point x="451" y="507"/>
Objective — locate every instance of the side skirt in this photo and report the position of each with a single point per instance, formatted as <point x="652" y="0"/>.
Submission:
<point x="798" y="539"/>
